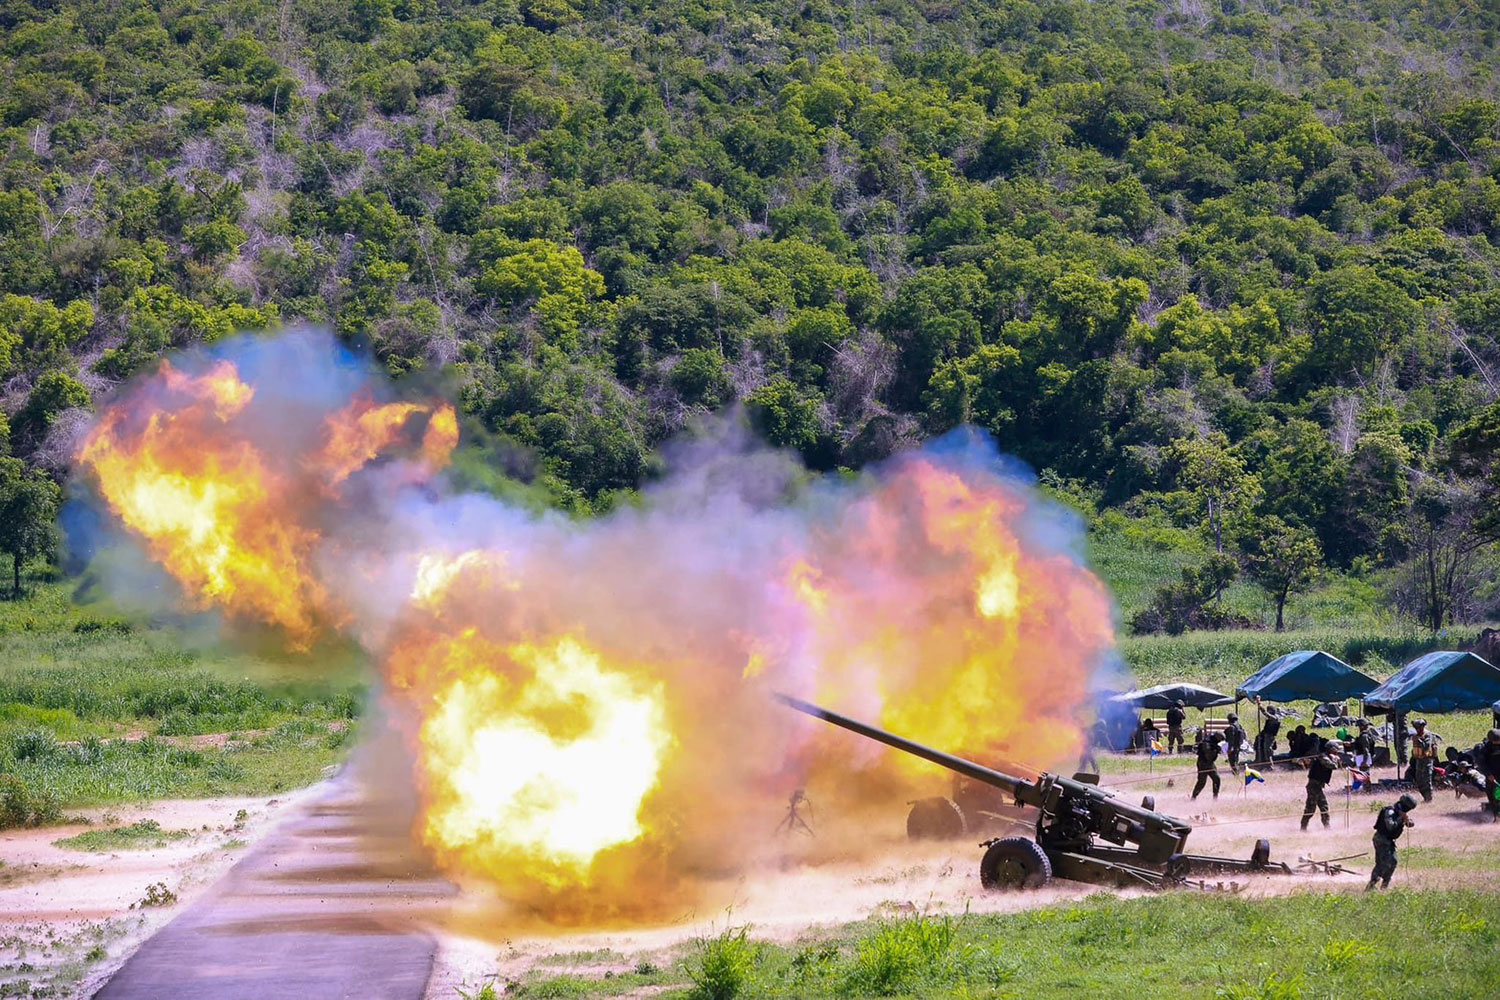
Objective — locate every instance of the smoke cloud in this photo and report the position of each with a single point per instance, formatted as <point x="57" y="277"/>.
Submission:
<point x="586" y="701"/>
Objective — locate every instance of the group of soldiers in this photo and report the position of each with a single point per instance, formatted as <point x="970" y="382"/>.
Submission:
<point x="1328" y="757"/>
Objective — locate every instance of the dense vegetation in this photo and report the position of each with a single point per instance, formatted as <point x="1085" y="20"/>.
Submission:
<point x="95" y="710"/>
<point x="1225" y="266"/>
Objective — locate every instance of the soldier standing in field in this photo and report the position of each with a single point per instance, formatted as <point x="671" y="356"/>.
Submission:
<point x="1423" y="757"/>
<point x="1208" y="752"/>
<point x="1319" y="773"/>
<point x="1175" y="718"/>
<point x="1389" y="824"/>
<point x="1234" y="738"/>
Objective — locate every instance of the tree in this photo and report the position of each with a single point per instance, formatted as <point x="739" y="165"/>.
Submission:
<point x="1476" y="445"/>
<point x="1444" y="541"/>
<point x="53" y="394"/>
<point x="1177" y="607"/>
<point x="1211" y="472"/>
<point x="787" y="416"/>
<point x="1359" y="318"/>
<point x="29" y="502"/>
<point x="1283" y="558"/>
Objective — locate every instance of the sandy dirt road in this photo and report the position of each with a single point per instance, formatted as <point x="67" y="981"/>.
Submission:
<point x="333" y="903"/>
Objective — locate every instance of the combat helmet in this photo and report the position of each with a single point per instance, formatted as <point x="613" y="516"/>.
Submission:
<point x="1406" y="803"/>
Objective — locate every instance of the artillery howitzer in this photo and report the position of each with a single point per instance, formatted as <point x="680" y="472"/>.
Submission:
<point x="1140" y="846"/>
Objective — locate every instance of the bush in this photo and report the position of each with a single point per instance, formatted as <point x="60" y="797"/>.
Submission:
<point x="89" y="752"/>
<point x="103" y="626"/>
<point x="723" y="966"/>
<point x="33" y="744"/>
<point x="157" y="894"/>
<point x="21" y="806"/>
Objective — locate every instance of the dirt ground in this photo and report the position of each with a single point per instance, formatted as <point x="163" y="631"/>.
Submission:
<point x="783" y="900"/>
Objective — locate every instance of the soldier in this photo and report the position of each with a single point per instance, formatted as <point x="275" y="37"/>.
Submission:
<point x="1487" y="760"/>
<point x="1234" y="738"/>
<point x="1319" y="773"/>
<point x="1363" y="746"/>
<point x="1175" y="718"/>
<point x="1423" y="757"/>
<point x="1265" y="740"/>
<point x="1208" y="752"/>
<point x="1388" y="826"/>
<point x="1098" y="736"/>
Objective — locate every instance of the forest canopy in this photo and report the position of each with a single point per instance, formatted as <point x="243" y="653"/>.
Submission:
<point x="1229" y="265"/>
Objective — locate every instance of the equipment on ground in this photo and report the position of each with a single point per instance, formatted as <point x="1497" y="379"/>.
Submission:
<point x="1083" y="832"/>
<point x="970" y="808"/>
<point x="1309" y="864"/>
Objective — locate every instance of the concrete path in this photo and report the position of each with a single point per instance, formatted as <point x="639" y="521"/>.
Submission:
<point x="333" y="904"/>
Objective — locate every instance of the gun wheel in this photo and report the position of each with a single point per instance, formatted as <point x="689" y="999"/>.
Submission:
<point x="1261" y="855"/>
<point x="1014" y="863"/>
<point x="1149" y="802"/>
<point x="935" y="819"/>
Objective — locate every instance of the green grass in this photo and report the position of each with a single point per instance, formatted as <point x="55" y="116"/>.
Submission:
<point x="143" y="835"/>
<point x="102" y="773"/>
<point x="74" y="679"/>
<point x="1136" y="556"/>
<point x="1174" y="945"/>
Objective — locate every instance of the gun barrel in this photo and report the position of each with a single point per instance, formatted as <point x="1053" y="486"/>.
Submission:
<point x="967" y="768"/>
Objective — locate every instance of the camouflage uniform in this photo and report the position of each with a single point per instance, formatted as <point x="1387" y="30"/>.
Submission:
<point x="1208" y="752"/>
<point x="1319" y="773"/>
<point x="1234" y="737"/>
<point x="1175" y="718"/>
<point x="1423" y="757"/>
<point x="1388" y="827"/>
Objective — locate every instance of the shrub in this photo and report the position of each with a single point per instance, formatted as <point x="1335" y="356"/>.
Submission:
<point x="33" y="744"/>
<point x="157" y="894"/>
<point x="902" y="956"/>
<point x="21" y="806"/>
<point x="723" y="965"/>
<point x="89" y="752"/>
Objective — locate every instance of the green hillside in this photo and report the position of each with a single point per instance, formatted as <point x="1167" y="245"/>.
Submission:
<point x="1225" y="273"/>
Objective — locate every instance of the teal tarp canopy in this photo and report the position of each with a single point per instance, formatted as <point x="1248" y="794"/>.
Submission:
<point x="1167" y="695"/>
<point x="1307" y="675"/>
<point x="1439" y="682"/>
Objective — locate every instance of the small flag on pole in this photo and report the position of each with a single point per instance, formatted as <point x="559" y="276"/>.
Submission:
<point x="1156" y="750"/>
<point x="1361" y="779"/>
<point x="1252" y="775"/>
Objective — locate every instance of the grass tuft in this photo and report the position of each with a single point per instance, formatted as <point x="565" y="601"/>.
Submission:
<point x="144" y="835"/>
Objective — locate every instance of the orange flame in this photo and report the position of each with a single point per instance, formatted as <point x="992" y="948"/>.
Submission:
<point x="361" y="432"/>
<point x="186" y="467"/>
<point x="975" y="641"/>
<point x="207" y="504"/>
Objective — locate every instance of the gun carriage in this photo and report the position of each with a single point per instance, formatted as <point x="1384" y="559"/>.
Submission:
<point x="1084" y="833"/>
